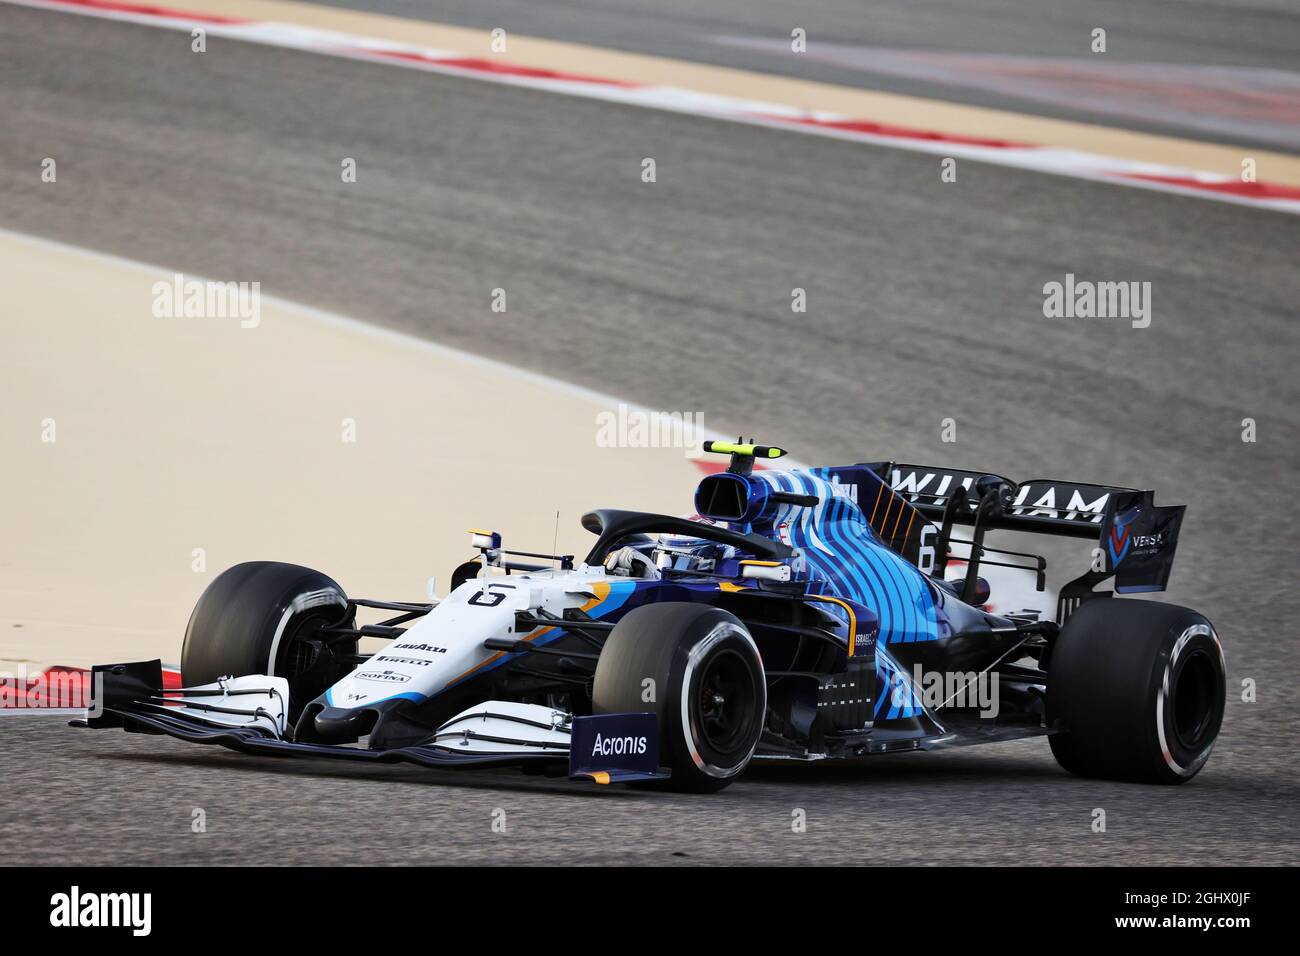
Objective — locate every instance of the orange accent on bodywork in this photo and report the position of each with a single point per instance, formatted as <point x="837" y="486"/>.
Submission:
<point x="899" y="519"/>
<point x="600" y="592"/>
<point x="889" y="506"/>
<point x="853" y="618"/>
<point x="880" y="490"/>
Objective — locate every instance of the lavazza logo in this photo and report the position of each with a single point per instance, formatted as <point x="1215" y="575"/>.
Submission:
<point x="76" y="909"/>
<point x="617" y="746"/>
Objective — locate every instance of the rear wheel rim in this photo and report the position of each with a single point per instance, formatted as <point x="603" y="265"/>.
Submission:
<point x="1194" y="700"/>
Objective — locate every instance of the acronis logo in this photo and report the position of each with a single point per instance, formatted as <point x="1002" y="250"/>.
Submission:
<point x="617" y="746"/>
<point x="619" y="742"/>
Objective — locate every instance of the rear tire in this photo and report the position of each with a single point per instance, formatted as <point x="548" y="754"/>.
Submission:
<point x="710" y="693"/>
<point x="1137" y="690"/>
<point x="264" y="617"/>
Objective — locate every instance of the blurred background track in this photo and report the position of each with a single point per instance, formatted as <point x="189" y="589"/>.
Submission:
<point x="924" y="302"/>
<point x="1217" y="69"/>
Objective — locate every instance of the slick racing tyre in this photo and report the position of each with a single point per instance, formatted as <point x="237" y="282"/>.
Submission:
<point x="706" y="686"/>
<point x="1136" y="690"/>
<point x="263" y="617"/>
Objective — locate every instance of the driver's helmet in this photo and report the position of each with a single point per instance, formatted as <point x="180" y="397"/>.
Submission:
<point x="683" y="552"/>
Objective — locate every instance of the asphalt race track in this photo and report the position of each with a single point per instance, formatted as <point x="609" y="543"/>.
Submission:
<point x="924" y="303"/>
<point x="755" y="35"/>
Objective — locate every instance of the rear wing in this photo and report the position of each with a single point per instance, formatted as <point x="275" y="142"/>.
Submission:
<point x="1136" y="538"/>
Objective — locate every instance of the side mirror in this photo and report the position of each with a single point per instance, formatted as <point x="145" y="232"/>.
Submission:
<point x="765" y="571"/>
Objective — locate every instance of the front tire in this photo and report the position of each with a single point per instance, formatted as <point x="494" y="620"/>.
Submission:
<point x="265" y="617"/>
<point x="1137" y="691"/>
<point x="710" y="693"/>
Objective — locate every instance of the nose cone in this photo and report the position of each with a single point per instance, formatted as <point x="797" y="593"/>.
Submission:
<point x="339" y="723"/>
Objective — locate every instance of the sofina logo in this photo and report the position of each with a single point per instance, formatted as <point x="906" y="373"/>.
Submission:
<point x="388" y="677"/>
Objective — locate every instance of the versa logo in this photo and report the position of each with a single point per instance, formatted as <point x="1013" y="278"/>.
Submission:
<point x="615" y="746"/>
<point x="74" y="909"/>
<point x="1120" y="541"/>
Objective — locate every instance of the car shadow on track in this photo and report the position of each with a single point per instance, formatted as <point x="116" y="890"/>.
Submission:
<point x="916" y="768"/>
<point x="377" y="773"/>
<point x="911" y="769"/>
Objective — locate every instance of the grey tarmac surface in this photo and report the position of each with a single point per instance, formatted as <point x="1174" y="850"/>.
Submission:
<point x="925" y="302"/>
<point x="845" y="35"/>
